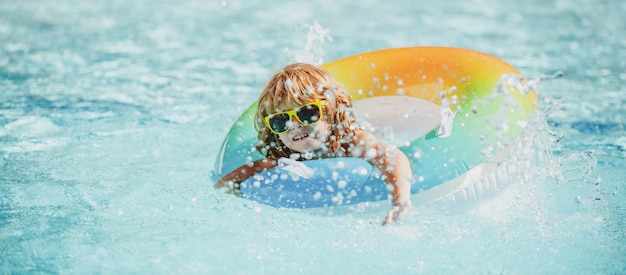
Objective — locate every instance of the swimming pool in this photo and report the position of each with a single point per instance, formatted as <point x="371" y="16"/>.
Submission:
<point x="111" y="116"/>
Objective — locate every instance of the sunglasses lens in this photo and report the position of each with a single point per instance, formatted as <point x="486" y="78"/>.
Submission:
<point x="309" y="114"/>
<point x="279" y="123"/>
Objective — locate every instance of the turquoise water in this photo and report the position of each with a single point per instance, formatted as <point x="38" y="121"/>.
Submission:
<point x="112" y="113"/>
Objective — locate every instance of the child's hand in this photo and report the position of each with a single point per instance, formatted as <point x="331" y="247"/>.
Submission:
<point x="228" y="186"/>
<point x="395" y="212"/>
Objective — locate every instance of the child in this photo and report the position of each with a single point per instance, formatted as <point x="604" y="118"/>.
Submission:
<point x="303" y="113"/>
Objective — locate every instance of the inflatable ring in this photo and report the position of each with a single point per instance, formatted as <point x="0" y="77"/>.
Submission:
<point x="448" y="109"/>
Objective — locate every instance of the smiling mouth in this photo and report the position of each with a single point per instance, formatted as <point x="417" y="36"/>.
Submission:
<point x="300" y="137"/>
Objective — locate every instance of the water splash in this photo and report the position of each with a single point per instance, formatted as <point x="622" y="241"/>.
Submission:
<point x="573" y="167"/>
<point x="521" y="163"/>
<point x="313" y="52"/>
<point x="532" y="168"/>
<point x="538" y="177"/>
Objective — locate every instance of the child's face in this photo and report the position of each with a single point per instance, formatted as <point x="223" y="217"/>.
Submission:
<point x="305" y="138"/>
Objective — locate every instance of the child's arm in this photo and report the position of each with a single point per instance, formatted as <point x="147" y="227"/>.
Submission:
<point x="231" y="180"/>
<point x="395" y="168"/>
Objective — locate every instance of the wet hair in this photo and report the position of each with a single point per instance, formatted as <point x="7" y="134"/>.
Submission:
<point x="295" y="85"/>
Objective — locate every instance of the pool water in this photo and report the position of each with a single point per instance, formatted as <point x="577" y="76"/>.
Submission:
<point x="112" y="114"/>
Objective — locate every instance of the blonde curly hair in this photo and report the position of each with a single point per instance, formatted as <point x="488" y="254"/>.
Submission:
<point x="298" y="84"/>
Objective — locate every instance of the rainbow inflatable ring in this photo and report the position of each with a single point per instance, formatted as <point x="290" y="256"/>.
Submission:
<point x="447" y="109"/>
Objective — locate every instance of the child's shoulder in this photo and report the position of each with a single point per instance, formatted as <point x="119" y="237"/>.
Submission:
<point x="362" y="136"/>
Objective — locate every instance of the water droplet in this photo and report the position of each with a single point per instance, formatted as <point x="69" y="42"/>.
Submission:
<point x="317" y="196"/>
<point x="342" y="184"/>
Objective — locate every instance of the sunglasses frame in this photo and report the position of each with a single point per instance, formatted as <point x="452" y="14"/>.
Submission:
<point x="294" y="113"/>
